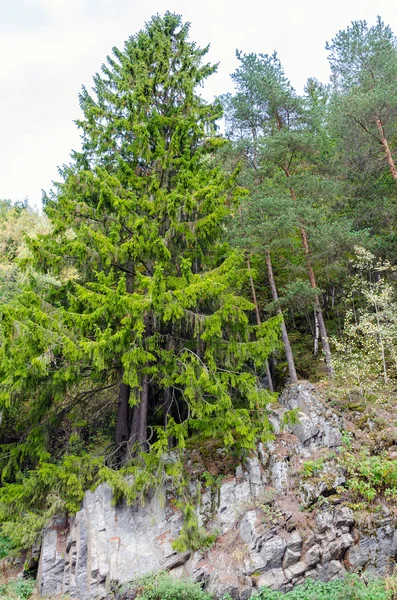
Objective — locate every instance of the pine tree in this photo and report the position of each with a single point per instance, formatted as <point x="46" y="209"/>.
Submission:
<point x="267" y="120"/>
<point x="151" y="302"/>
<point x="364" y="69"/>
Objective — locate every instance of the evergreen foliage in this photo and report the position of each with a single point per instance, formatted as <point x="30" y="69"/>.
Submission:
<point x="143" y="298"/>
<point x="141" y="316"/>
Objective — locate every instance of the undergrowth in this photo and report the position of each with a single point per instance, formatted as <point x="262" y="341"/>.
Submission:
<point x="163" y="586"/>
<point x="351" y="588"/>
<point x="18" y="589"/>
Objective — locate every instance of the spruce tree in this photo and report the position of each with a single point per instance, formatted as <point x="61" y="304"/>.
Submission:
<point x="146" y="295"/>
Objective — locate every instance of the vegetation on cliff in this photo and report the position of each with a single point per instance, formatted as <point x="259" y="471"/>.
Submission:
<point x="181" y="275"/>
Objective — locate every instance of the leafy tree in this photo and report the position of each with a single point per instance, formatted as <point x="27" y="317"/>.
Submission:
<point x="151" y="303"/>
<point x="367" y="350"/>
<point x="16" y="221"/>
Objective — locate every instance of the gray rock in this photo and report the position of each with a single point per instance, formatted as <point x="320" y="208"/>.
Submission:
<point x="331" y="570"/>
<point x="51" y="565"/>
<point x="272" y="552"/>
<point x="255" y="476"/>
<point x="312" y="556"/>
<point x="274" y="579"/>
<point x="105" y="543"/>
<point x="374" y="552"/>
<point x="316" y="426"/>
<point x="336" y="549"/>
<point x="343" y="516"/>
<point x="232" y="496"/>
<point x="294" y="541"/>
<point x="247" y="527"/>
<point x="323" y="520"/>
<point x="290" y="558"/>
<point x="296" y="570"/>
<point x="279" y="474"/>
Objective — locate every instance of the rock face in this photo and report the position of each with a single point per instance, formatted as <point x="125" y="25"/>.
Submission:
<point x="264" y="537"/>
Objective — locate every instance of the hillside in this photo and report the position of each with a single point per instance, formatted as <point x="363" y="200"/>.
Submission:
<point x="198" y="338"/>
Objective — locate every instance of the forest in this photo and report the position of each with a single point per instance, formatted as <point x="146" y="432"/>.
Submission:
<point x="192" y="260"/>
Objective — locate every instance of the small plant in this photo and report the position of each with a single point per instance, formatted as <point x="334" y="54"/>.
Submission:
<point x="371" y="476"/>
<point x="271" y="515"/>
<point x="211" y="480"/>
<point x="192" y="535"/>
<point x="290" y="417"/>
<point x="347" y="439"/>
<point x="310" y="468"/>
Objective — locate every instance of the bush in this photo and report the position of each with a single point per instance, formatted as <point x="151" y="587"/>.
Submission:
<point x="351" y="588"/>
<point x="371" y="476"/>
<point x="19" y="589"/>
<point x="162" y="586"/>
<point x="5" y="546"/>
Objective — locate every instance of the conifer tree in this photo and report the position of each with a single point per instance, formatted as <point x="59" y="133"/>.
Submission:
<point x="151" y="303"/>
<point x="363" y="62"/>
<point x="267" y="118"/>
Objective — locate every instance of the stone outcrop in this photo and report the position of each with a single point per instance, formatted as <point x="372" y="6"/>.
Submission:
<point x="265" y="539"/>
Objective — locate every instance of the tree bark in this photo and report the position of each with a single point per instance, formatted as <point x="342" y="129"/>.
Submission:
<point x="284" y="333"/>
<point x="316" y="334"/>
<point x="312" y="279"/>
<point x="258" y="320"/>
<point x="138" y="433"/>
<point x="123" y="414"/>
<point x="134" y="431"/>
<point x="167" y="411"/>
<point x="144" y="405"/>
<point x="317" y="305"/>
<point x="386" y="149"/>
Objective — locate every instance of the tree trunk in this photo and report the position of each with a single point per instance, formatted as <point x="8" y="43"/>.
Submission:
<point x="144" y="404"/>
<point x="138" y="433"/>
<point x="167" y="411"/>
<point x="123" y="414"/>
<point x="316" y="334"/>
<point x="317" y="305"/>
<point x="382" y="346"/>
<point x="386" y="149"/>
<point x="284" y="333"/>
<point x="258" y="320"/>
<point x="134" y="432"/>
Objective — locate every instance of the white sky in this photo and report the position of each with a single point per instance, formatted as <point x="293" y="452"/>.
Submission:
<point x="49" y="48"/>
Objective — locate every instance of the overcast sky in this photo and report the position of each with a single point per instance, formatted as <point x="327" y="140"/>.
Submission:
<point x="50" y="48"/>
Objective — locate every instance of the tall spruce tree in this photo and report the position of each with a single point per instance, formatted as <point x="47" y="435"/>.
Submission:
<point x="150" y="301"/>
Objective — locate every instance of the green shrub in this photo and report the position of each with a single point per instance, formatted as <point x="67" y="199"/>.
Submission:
<point x="163" y="587"/>
<point x="5" y="546"/>
<point x="351" y="588"/>
<point x="370" y="476"/>
<point x="192" y="535"/>
<point x="19" y="589"/>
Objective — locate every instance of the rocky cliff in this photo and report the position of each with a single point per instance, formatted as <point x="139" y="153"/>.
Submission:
<point x="269" y="534"/>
